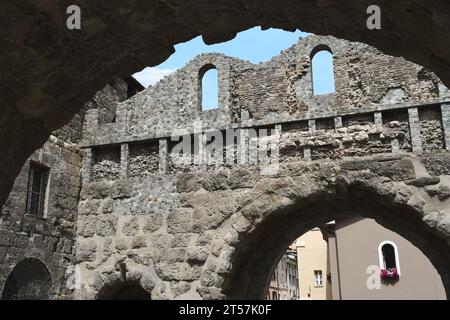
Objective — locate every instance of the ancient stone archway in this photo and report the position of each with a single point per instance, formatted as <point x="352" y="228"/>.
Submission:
<point x="29" y="280"/>
<point x="226" y="233"/>
<point x="49" y="72"/>
<point x="258" y="252"/>
<point x="197" y="229"/>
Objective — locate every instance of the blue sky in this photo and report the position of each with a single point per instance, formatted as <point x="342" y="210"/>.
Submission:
<point x="254" y="45"/>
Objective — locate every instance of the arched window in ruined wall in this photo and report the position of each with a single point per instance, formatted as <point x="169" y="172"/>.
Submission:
<point x="29" y="280"/>
<point x="322" y="70"/>
<point x="209" y="88"/>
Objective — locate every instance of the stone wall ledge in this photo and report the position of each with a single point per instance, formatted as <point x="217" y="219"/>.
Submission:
<point x="114" y="133"/>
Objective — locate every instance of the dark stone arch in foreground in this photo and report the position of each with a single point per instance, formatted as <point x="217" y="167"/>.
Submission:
<point x="29" y="280"/>
<point x="258" y="253"/>
<point x="49" y="71"/>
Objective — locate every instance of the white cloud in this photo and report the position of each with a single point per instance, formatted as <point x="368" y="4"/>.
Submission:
<point x="150" y="76"/>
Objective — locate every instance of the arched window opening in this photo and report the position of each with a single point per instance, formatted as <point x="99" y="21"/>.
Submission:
<point x="209" y="91"/>
<point x="388" y="256"/>
<point x="322" y="71"/>
<point x="29" y="280"/>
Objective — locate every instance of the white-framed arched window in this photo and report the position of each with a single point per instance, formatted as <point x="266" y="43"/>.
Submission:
<point x="388" y="256"/>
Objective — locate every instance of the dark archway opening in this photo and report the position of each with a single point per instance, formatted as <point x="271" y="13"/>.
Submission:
<point x="29" y="280"/>
<point x="257" y="255"/>
<point x="125" y="291"/>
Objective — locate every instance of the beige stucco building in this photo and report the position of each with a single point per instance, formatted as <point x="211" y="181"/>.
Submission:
<point x="313" y="270"/>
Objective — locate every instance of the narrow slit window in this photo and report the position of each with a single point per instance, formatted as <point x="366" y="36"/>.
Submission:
<point x="323" y="73"/>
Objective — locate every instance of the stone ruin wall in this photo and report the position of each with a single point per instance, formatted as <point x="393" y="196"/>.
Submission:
<point x="174" y="228"/>
<point x="371" y="111"/>
<point x="275" y="91"/>
<point x="165" y="221"/>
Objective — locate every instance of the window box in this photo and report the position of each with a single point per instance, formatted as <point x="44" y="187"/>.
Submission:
<point x="389" y="275"/>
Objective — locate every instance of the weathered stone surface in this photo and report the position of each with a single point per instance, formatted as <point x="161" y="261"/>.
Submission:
<point x="213" y="230"/>
<point x="396" y="170"/>
<point x="106" y="225"/>
<point x="153" y="223"/>
<point x="189" y="182"/>
<point x="131" y="227"/>
<point x="444" y="225"/>
<point x="138" y="242"/>
<point x="122" y="243"/>
<point x="178" y="271"/>
<point x="180" y="221"/>
<point x="30" y="99"/>
<point x="208" y="293"/>
<point x="438" y="165"/>
<point x="179" y="288"/>
<point x="171" y="255"/>
<point x="197" y="255"/>
<point x="87" y="226"/>
<point x="6" y="237"/>
<point x="424" y="181"/>
<point x="443" y="192"/>
<point x="86" y="250"/>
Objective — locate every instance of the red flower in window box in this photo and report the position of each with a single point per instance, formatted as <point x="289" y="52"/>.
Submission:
<point x="389" y="274"/>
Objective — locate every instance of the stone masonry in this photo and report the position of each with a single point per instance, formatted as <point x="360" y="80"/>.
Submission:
<point x="50" y="238"/>
<point x="51" y="71"/>
<point x="376" y="147"/>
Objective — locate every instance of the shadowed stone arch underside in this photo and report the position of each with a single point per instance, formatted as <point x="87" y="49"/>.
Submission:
<point x="49" y="71"/>
<point x="29" y="280"/>
<point x="124" y="291"/>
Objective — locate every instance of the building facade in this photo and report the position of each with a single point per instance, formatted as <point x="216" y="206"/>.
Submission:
<point x="284" y="282"/>
<point x="356" y="263"/>
<point x="313" y="266"/>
